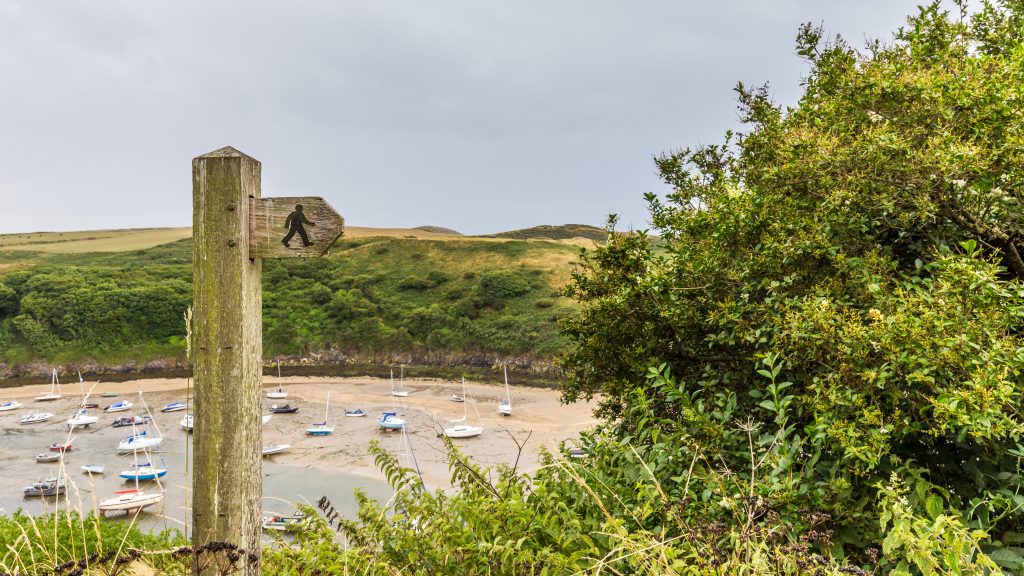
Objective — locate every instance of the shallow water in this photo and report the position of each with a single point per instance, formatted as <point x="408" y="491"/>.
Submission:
<point x="283" y="484"/>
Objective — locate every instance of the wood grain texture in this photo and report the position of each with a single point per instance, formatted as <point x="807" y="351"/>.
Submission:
<point x="227" y="356"/>
<point x="272" y="221"/>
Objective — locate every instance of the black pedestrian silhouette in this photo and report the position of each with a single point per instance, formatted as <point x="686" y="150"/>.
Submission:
<point x="294" y="224"/>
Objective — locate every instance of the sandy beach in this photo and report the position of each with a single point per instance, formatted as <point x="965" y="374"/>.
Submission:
<point x="538" y="419"/>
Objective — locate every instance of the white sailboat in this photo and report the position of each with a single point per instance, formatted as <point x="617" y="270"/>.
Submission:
<point x="399" y="390"/>
<point x="54" y="393"/>
<point x="327" y="426"/>
<point x="278" y="394"/>
<point x="81" y="417"/>
<point x="142" y="440"/>
<point x="505" y="406"/>
<point x="10" y="405"/>
<point x="463" y="430"/>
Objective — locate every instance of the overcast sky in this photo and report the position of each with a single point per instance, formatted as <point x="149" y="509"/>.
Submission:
<point x="475" y="115"/>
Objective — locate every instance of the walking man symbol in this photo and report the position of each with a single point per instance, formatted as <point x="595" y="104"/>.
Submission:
<point x="294" y="224"/>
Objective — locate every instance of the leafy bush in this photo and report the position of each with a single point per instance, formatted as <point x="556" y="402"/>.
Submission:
<point x="855" y="239"/>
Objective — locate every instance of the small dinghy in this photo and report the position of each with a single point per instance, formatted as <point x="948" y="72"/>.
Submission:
<point x="286" y="409"/>
<point x="35" y="417"/>
<point x="283" y="523"/>
<point x="278" y="394"/>
<point x="389" y="421"/>
<point x="48" y="457"/>
<point x="61" y="446"/>
<point x="357" y="413"/>
<point x="90" y="405"/>
<point x="174" y="407"/>
<point x="13" y="404"/>
<point x="92" y="469"/>
<point x="275" y="448"/>
<point x="109" y="395"/>
<point x="130" y="420"/>
<point x="188" y="422"/>
<point x="119" y="406"/>
<point x="457" y="398"/>
<point x="47" y="487"/>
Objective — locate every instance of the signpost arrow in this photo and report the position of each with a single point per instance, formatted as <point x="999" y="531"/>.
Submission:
<point x="292" y="227"/>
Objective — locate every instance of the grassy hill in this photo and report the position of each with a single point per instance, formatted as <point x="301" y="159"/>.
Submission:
<point x="546" y="232"/>
<point x="419" y="295"/>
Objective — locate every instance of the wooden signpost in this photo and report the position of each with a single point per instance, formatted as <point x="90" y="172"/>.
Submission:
<point x="233" y="229"/>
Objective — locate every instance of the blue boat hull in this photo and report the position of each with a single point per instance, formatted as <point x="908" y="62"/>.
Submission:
<point x="144" y="476"/>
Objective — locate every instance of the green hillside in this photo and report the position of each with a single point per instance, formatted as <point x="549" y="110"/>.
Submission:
<point x="453" y="300"/>
<point x="562" y="232"/>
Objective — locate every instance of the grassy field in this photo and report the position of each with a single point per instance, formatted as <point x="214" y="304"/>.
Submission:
<point x="92" y="240"/>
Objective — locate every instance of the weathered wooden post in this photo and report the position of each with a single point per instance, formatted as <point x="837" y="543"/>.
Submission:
<point x="232" y="230"/>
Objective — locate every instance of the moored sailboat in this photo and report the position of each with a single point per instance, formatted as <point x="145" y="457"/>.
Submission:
<point x="54" y="393"/>
<point x="463" y="429"/>
<point x="391" y="421"/>
<point x="323" y="428"/>
<point x="398" y="390"/>
<point x="505" y="406"/>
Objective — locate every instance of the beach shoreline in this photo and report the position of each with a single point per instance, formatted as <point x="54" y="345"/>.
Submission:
<point x="538" y="418"/>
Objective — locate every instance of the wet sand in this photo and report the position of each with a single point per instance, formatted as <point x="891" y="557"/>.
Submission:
<point x="341" y="460"/>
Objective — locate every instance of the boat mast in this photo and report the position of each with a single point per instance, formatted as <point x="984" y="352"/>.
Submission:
<point x="508" y="397"/>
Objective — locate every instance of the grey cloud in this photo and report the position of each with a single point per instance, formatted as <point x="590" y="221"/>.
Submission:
<point x="479" y="116"/>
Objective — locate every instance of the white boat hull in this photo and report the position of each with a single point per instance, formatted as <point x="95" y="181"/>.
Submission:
<point x="463" y="431"/>
<point x="35" y="418"/>
<point x="277" y="395"/>
<point x="82" y="421"/>
<point x="126" y="447"/>
<point x="9" y="406"/>
<point x="391" y="423"/>
<point x="47" y="398"/>
<point x="130" y="501"/>
<point x="271" y="449"/>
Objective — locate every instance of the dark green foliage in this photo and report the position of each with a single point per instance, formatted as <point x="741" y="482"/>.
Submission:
<point x="370" y="295"/>
<point x="503" y="285"/>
